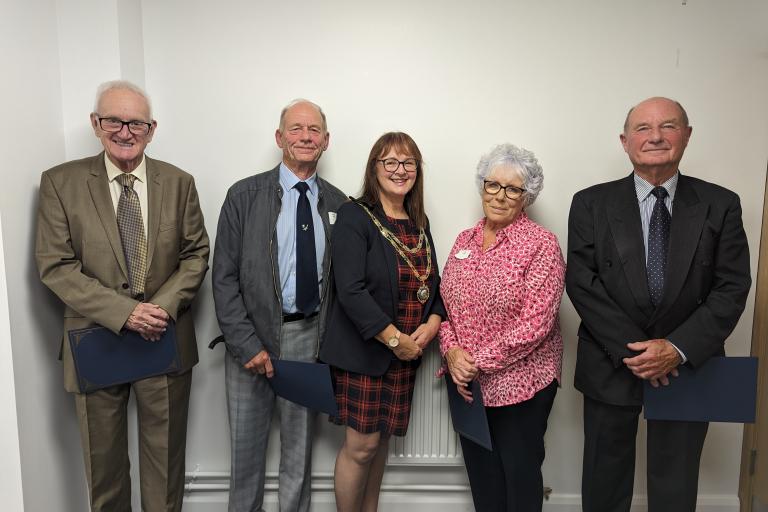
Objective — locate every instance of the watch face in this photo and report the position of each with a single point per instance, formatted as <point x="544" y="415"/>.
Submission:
<point x="393" y="342"/>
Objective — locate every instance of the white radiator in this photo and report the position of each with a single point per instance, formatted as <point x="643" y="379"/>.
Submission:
<point x="430" y="438"/>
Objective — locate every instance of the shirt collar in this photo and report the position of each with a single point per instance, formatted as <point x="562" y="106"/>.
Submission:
<point x="643" y="188"/>
<point x="140" y="172"/>
<point x="288" y="180"/>
<point x="477" y="231"/>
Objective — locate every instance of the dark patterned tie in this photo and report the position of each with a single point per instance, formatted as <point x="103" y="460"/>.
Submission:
<point x="658" y="245"/>
<point x="307" y="295"/>
<point x="131" y="229"/>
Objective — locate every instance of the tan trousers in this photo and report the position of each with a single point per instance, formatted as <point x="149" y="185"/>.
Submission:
<point x="162" y="404"/>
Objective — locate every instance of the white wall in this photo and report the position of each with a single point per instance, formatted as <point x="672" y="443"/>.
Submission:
<point x="10" y="463"/>
<point x="554" y="77"/>
<point x="31" y="140"/>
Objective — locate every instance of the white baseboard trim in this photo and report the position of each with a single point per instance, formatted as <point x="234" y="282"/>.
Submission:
<point x="208" y="492"/>
<point x="441" y="501"/>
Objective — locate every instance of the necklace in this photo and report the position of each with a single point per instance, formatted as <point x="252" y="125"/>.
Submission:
<point x="422" y="294"/>
<point x="396" y="241"/>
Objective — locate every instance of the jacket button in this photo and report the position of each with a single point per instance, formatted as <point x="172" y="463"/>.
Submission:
<point x="699" y="301"/>
<point x="126" y="286"/>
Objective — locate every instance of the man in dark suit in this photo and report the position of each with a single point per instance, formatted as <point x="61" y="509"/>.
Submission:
<point x="121" y="241"/>
<point x="658" y="270"/>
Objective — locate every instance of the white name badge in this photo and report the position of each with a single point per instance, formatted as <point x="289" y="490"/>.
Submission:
<point x="463" y="254"/>
<point x="332" y="217"/>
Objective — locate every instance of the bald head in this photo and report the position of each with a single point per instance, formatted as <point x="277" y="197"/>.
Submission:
<point x="658" y="100"/>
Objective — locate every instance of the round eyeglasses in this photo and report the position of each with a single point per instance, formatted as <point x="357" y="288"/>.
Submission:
<point x="511" y="191"/>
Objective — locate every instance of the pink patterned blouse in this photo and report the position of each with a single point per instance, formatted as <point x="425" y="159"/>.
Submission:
<point x="503" y="308"/>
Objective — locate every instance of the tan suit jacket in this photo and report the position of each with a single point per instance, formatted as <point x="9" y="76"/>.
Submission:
<point x="80" y="256"/>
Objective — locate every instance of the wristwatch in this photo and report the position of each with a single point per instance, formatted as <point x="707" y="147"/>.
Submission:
<point x="394" y="340"/>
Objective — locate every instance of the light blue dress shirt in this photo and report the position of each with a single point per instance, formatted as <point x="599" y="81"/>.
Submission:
<point x="286" y="236"/>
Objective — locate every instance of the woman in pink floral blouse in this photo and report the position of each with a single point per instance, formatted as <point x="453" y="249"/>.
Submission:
<point x="501" y="287"/>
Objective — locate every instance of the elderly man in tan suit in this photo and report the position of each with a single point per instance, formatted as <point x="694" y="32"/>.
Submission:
<point x="121" y="241"/>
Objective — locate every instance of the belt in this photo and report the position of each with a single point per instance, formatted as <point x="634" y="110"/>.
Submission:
<point x="294" y="317"/>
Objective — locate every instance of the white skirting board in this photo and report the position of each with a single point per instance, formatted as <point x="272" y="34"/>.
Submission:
<point x="208" y="493"/>
<point x="441" y="501"/>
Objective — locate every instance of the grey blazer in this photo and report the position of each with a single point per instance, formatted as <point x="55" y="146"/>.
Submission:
<point x="245" y="276"/>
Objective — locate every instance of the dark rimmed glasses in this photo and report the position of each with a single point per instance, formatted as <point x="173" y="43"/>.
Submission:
<point x="114" y="125"/>
<point x="511" y="191"/>
<point x="393" y="164"/>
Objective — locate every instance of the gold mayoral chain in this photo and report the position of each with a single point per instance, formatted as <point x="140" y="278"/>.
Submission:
<point x="422" y="294"/>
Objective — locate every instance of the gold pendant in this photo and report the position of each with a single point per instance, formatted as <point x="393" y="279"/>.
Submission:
<point x="423" y="293"/>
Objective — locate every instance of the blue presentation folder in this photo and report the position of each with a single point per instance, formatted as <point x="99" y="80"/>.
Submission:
<point x="307" y="384"/>
<point x="103" y="358"/>
<point x="469" y="420"/>
<point x="723" y="389"/>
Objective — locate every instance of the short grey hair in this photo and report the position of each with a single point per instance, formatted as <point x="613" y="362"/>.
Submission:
<point x="519" y="159"/>
<point x="120" y="84"/>
<point x="296" y="102"/>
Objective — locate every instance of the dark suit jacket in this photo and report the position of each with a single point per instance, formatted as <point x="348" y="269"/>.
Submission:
<point x="706" y="286"/>
<point x="80" y="256"/>
<point x="366" y="293"/>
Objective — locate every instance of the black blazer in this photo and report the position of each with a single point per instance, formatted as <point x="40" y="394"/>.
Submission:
<point x="706" y="286"/>
<point x="364" y="267"/>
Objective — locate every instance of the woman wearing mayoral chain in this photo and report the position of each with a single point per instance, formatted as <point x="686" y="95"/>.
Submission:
<point x="386" y="309"/>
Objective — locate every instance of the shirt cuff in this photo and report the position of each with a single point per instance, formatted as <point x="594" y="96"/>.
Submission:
<point x="682" y="356"/>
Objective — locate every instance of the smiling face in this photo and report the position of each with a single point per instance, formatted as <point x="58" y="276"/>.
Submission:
<point x="302" y="137"/>
<point x="655" y="138"/>
<point x="394" y="186"/>
<point x="500" y="211"/>
<point x="124" y="149"/>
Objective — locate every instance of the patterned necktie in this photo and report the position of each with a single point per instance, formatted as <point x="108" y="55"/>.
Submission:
<point x="307" y="295"/>
<point x="131" y="229"/>
<point x="658" y="245"/>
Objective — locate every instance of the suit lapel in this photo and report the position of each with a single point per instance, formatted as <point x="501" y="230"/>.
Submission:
<point x="98" y="185"/>
<point x="688" y="215"/>
<point x="624" y="223"/>
<point x="155" y="193"/>
<point x="390" y="256"/>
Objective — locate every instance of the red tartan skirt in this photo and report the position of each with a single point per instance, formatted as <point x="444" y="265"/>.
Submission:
<point x="376" y="404"/>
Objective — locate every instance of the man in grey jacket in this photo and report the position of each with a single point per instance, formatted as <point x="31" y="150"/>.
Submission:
<point x="271" y="287"/>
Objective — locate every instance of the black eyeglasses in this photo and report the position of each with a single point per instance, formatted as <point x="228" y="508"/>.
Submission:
<point x="393" y="164"/>
<point x="511" y="191"/>
<point x="114" y="125"/>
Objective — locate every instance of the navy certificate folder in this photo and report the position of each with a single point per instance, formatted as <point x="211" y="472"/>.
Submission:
<point x="469" y="420"/>
<point x="103" y="358"/>
<point x="722" y="389"/>
<point x="307" y="384"/>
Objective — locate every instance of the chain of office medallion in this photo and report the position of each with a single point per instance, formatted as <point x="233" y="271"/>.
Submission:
<point x="393" y="238"/>
<point x="397" y="244"/>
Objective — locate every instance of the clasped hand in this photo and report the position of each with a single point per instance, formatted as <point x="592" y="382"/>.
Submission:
<point x="657" y="360"/>
<point x="149" y="320"/>
<point x="413" y="345"/>
<point x="462" y="368"/>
